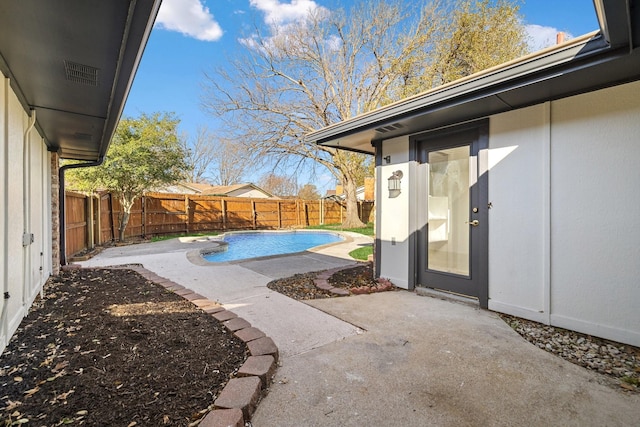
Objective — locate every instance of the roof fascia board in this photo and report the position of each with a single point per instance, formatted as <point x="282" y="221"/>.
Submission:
<point x="535" y="67"/>
<point x="614" y="20"/>
<point x="134" y="41"/>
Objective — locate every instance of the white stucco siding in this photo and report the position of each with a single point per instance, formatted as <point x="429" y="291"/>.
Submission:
<point x="393" y="221"/>
<point x="595" y="213"/>
<point x="518" y="181"/>
<point x="14" y="256"/>
<point x="23" y="270"/>
<point x="4" y="212"/>
<point x="563" y="230"/>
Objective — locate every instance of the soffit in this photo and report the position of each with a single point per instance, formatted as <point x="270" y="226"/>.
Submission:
<point x="73" y="62"/>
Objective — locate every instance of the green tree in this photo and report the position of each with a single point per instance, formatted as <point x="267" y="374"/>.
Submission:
<point x="481" y="34"/>
<point x="145" y="153"/>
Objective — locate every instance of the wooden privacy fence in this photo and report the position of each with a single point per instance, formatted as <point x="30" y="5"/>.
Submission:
<point x="161" y="214"/>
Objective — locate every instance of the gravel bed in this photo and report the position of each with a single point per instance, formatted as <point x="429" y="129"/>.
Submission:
<point x="613" y="359"/>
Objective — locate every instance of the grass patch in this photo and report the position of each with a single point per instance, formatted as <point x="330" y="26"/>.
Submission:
<point x="173" y="236"/>
<point x="367" y="231"/>
<point x="362" y="253"/>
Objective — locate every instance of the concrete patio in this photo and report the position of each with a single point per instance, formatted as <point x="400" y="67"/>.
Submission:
<point x="393" y="358"/>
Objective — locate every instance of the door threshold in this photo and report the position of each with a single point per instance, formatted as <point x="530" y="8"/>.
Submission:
<point x="448" y="296"/>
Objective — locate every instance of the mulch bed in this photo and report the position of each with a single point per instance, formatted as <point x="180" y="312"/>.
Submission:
<point x="357" y="280"/>
<point x="108" y="347"/>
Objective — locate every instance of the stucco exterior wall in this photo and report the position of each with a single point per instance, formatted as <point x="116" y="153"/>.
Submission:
<point x="519" y="161"/>
<point x="23" y="267"/>
<point x="393" y="221"/>
<point x="564" y="234"/>
<point x="563" y="245"/>
<point x="595" y="245"/>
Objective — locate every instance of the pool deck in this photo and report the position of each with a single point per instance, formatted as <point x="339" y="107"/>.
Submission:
<point x="240" y="286"/>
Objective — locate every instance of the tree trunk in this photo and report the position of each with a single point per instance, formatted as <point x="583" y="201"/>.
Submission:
<point x="352" y="219"/>
<point x="124" y="220"/>
<point x="127" y="204"/>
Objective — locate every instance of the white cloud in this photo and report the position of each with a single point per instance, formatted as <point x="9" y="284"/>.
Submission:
<point x="281" y="18"/>
<point x="541" y="37"/>
<point x="277" y="13"/>
<point x="189" y="17"/>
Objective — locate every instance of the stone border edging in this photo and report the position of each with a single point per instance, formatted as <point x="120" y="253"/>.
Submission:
<point x="322" y="282"/>
<point x="237" y="401"/>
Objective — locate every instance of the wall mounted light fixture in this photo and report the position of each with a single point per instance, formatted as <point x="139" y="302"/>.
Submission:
<point x="387" y="159"/>
<point x="395" y="184"/>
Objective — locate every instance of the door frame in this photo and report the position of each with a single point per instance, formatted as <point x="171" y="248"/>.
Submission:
<point x="478" y="131"/>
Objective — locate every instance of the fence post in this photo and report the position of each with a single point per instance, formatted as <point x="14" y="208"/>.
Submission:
<point x="306" y="214"/>
<point x="223" y="205"/>
<point x="89" y="220"/>
<point x="99" y="219"/>
<point x="111" y="222"/>
<point x="143" y="216"/>
<point x="279" y="215"/>
<point x="186" y="211"/>
<point x="254" y="214"/>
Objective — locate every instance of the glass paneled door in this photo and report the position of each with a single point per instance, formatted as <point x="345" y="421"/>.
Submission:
<point x="452" y="243"/>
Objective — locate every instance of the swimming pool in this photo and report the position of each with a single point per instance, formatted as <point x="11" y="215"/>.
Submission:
<point x="258" y="244"/>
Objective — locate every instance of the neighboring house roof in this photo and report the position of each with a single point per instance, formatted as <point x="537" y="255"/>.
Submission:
<point x="237" y="190"/>
<point x="186" y="188"/>
<point x="600" y="59"/>
<point x="74" y="63"/>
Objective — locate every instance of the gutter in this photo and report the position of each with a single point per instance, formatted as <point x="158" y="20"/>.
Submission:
<point x="608" y="53"/>
<point x="61" y="202"/>
<point x="520" y="72"/>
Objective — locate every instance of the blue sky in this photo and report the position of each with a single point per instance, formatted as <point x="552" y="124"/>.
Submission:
<point x="192" y="36"/>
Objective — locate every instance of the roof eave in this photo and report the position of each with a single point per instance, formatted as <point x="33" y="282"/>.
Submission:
<point x="142" y="16"/>
<point x="502" y="88"/>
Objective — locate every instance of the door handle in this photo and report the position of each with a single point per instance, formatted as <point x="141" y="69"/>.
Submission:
<point x="473" y="223"/>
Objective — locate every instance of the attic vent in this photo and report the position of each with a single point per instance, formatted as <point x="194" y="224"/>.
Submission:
<point x="389" y="128"/>
<point x="83" y="74"/>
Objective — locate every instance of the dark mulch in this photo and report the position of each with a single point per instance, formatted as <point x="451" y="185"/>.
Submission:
<point x="108" y="347"/>
<point x="302" y="286"/>
<point x="299" y="287"/>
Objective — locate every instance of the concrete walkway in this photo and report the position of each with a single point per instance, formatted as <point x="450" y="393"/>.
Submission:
<point x="390" y="359"/>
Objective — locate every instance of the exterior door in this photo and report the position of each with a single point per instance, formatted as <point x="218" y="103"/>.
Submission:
<point x="453" y="239"/>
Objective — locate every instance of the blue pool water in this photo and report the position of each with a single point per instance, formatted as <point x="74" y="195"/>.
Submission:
<point x="253" y="245"/>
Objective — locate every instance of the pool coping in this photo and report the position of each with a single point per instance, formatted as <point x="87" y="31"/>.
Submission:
<point x="196" y="256"/>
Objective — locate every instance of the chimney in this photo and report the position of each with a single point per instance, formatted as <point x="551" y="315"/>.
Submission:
<point x="560" y="38"/>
